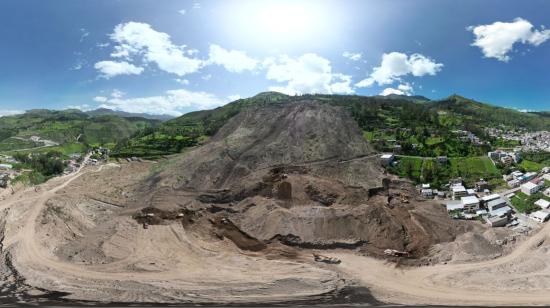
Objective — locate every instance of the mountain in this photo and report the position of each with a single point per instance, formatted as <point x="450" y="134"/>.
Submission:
<point x="123" y="114"/>
<point x="66" y="126"/>
<point x="376" y="113"/>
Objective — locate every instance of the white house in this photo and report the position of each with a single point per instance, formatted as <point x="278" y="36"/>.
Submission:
<point x="540" y="216"/>
<point x="542" y="203"/>
<point x="530" y="188"/>
<point x="426" y="193"/>
<point x="488" y="198"/>
<point x="458" y="191"/>
<point x="495" y="204"/>
<point x="547" y="192"/>
<point x="387" y="159"/>
<point x="471" y="203"/>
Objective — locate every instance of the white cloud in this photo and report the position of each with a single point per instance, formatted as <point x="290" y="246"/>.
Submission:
<point x="139" y="39"/>
<point x="395" y="65"/>
<point x="100" y="99"/>
<point x="182" y="81"/>
<point x="83" y="34"/>
<point x="353" y="56"/>
<point x="402" y="89"/>
<point x="83" y="107"/>
<point x="172" y="102"/>
<point x="182" y="11"/>
<point x="496" y="40"/>
<point x="196" y="5"/>
<point x="4" y="113"/>
<point x="232" y="60"/>
<point x="109" y="69"/>
<point x="233" y="98"/>
<point x="117" y="93"/>
<point x="308" y="73"/>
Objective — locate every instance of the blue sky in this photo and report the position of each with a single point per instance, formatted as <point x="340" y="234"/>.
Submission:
<point x="177" y="56"/>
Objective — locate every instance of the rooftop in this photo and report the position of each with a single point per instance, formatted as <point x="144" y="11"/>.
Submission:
<point x="529" y="185"/>
<point x="469" y="200"/>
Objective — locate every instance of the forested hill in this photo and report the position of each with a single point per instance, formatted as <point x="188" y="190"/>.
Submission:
<point x="371" y="113"/>
<point x="67" y="126"/>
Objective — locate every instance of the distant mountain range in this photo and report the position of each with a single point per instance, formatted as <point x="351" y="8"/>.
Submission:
<point x="123" y="114"/>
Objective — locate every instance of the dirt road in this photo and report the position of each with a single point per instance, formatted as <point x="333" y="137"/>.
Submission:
<point x="519" y="278"/>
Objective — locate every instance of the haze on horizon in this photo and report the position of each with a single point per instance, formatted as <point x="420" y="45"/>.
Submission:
<point x="179" y="56"/>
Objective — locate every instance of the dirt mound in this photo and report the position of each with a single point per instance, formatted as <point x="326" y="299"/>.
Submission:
<point x="302" y="174"/>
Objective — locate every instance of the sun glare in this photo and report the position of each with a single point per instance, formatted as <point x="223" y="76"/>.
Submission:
<point x="281" y="22"/>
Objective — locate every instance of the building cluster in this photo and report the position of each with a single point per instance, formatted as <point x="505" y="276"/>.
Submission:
<point x="504" y="157"/>
<point x="530" y="141"/>
<point x="516" y="178"/>
<point x="465" y="135"/>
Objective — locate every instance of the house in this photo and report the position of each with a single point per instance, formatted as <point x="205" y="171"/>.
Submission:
<point x="503" y="211"/>
<point x="488" y="198"/>
<point x="516" y="174"/>
<point x="426" y="193"/>
<point x="542" y="203"/>
<point x="530" y="188"/>
<point x="507" y="160"/>
<point x="495" y="221"/>
<point x="425" y="186"/>
<point x="458" y="191"/>
<point x="514" y="183"/>
<point x="496" y="204"/>
<point x="470" y="192"/>
<point x="540" y="216"/>
<point x="442" y="159"/>
<point x="481" y="185"/>
<point x="471" y="203"/>
<point x="545" y="170"/>
<point x="546" y="177"/>
<point x="547" y="192"/>
<point x="386" y="159"/>
<point x="454" y="206"/>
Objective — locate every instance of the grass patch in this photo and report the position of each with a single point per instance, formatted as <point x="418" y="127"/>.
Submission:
<point x="531" y="166"/>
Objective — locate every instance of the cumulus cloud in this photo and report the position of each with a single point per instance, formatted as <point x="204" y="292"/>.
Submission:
<point x="308" y="73"/>
<point x="4" y="113"/>
<point x="83" y="107"/>
<point x="233" y="98"/>
<point x="134" y="39"/>
<point x="353" y="56"/>
<point x="402" y="89"/>
<point x="172" y="102"/>
<point x="232" y="60"/>
<point x="100" y="99"/>
<point x="109" y="69"/>
<point x="496" y="40"/>
<point x="395" y="65"/>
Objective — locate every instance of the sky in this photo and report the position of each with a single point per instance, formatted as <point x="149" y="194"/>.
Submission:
<point x="172" y="57"/>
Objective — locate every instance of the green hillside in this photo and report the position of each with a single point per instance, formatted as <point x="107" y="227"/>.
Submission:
<point x="66" y="127"/>
<point x="421" y="126"/>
